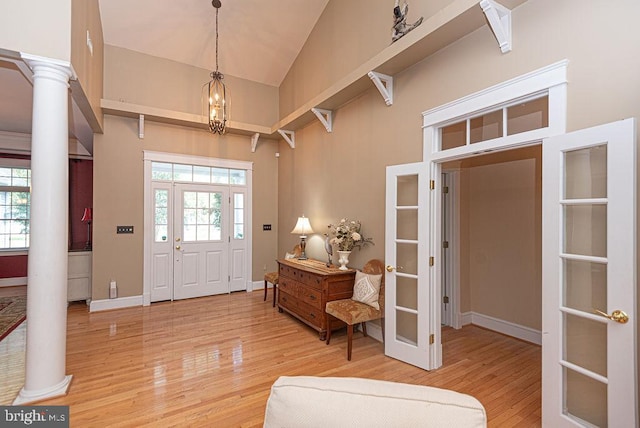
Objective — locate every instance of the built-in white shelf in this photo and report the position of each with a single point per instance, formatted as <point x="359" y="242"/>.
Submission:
<point x="455" y="21"/>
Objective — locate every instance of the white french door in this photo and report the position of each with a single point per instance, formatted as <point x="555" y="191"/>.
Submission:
<point x="589" y="278"/>
<point x="201" y="237"/>
<point x="409" y="320"/>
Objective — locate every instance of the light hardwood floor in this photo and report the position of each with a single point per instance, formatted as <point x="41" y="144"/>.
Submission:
<point x="211" y="361"/>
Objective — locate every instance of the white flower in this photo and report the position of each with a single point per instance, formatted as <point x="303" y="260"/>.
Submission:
<point x="356" y="236"/>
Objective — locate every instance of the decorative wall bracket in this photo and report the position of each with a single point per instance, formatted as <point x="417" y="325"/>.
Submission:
<point x="254" y="141"/>
<point x="325" y="117"/>
<point x="384" y="84"/>
<point x="289" y="137"/>
<point x="499" y="18"/>
<point x="141" y="126"/>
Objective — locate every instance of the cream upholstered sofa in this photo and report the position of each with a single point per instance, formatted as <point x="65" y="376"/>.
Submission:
<point x="352" y="402"/>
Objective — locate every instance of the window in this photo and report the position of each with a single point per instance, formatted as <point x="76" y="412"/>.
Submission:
<point x="15" y="198"/>
<point x="162" y="171"/>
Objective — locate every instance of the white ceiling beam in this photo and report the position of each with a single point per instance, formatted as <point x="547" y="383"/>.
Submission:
<point x="384" y="84"/>
<point x="499" y="18"/>
<point x="289" y="137"/>
<point x="325" y="117"/>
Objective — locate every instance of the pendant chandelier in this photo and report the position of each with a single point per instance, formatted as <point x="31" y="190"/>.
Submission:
<point x="217" y="96"/>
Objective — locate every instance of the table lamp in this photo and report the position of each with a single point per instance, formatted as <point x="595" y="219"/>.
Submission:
<point x="86" y="218"/>
<point x="303" y="227"/>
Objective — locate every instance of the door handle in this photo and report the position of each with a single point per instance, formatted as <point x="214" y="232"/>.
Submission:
<point x="390" y="268"/>
<point x="178" y="247"/>
<point x="617" y="315"/>
<point x="177" y="239"/>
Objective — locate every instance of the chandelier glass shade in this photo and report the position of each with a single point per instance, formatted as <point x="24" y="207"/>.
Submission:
<point x="217" y="97"/>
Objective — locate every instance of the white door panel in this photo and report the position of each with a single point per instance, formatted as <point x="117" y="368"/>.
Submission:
<point x="589" y="264"/>
<point x="407" y="310"/>
<point x="162" y="244"/>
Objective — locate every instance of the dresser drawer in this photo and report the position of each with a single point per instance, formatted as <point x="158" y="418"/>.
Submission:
<point x="287" y="301"/>
<point x="287" y="285"/>
<point x="310" y="296"/>
<point x="310" y="280"/>
<point x="311" y="314"/>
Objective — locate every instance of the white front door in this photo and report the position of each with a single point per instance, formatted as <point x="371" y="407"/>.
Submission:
<point x="589" y="278"/>
<point x="409" y="322"/>
<point x="201" y="238"/>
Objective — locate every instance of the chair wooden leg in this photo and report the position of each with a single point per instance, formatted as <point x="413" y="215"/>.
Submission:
<point x="265" y="291"/>
<point x="364" y="329"/>
<point x="275" y="290"/>
<point x="382" y="325"/>
<point x="328" y="329"/>
<point x="349" y="339"/>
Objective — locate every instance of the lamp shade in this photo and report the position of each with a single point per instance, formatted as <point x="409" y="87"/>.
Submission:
<point x="303" y="227"/>
<point x="86" y="215"/>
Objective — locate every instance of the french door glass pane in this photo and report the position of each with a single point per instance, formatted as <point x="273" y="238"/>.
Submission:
<point x="407" y="191"/>
<point x="585" y="285"/>
<point x="406" y="327"/>
<point x="201" y="216"/>
<point x="585" y="398"/>
<point x="407" y="224"/>
<point x="407" y="292"/>
<point x="586" y="343"/>
<point x="585" y="230"/>
<point x="407" y="258"/>
<point x="586" y="173"/>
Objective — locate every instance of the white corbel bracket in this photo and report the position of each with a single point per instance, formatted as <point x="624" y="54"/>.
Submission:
<point x="325" y="117"/>
<point x="384" y="84"/>
<point x="141" y="126"/>
<point x="499" y="18"/>
<point x="289" y="137"/>
<point x="254" y="141"/>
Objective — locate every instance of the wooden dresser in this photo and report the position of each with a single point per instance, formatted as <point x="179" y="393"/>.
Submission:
<point x="305" y="287"/>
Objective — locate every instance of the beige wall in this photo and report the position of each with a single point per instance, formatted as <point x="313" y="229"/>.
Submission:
<point x="367" y="136"/>
<point x="136" y="78"/>
<point x="118" y="195"/>
<point x="87" y="90"/>
<point x="37" y="27"/>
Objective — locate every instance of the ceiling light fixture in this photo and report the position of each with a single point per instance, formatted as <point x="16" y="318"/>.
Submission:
<point x="217" y="102"/>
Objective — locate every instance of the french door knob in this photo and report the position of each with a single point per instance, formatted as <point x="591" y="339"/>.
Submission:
<point x="178" y="247"/>
<point x="390" y="268"/>
<point x="617" y="316"/>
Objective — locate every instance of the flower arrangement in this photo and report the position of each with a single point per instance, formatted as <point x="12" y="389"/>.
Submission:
<point x="347" y="235"/>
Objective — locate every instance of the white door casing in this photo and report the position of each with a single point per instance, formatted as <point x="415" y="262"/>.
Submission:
<point x="410" y="322"/>
<point x="159" y="258"/>
<point x="589" y="263"/>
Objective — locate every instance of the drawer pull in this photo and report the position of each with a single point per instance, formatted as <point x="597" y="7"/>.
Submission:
<point x="312" y="297"/>
<point x="284" y="299"/>
<point x="312" y="315"/>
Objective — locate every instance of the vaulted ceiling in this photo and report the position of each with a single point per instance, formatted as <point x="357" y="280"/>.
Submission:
<point x="258" y="40"/>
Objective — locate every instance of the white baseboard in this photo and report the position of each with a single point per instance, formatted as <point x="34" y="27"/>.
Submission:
<point x="120" y="302"/>
<point x="375" y="331"/>
<point x="12" y="282"/>
<point x="505" y="327"/>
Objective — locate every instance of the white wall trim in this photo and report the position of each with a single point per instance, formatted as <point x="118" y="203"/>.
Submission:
<point x="12" y="282"/>
<point x="120" y="302"/>
<point x="196" y="160"/>
<point x="505" y="327"/>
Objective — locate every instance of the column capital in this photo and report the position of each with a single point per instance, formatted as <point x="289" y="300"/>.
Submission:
<point x="49" y="68"/>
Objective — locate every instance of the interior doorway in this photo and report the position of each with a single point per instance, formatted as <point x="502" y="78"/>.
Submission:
<point x="491" y="242"/>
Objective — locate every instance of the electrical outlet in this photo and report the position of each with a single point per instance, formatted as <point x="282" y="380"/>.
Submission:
<point x="124" y="229"/>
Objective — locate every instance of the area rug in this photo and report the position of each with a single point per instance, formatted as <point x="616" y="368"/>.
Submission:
<point x="13" y="310"/>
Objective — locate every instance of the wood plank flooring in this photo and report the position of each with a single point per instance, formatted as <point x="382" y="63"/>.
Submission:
<point x="211" y="362"/>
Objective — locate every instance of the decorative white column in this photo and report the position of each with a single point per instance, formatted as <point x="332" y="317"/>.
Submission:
<point x="47" y="270"/>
